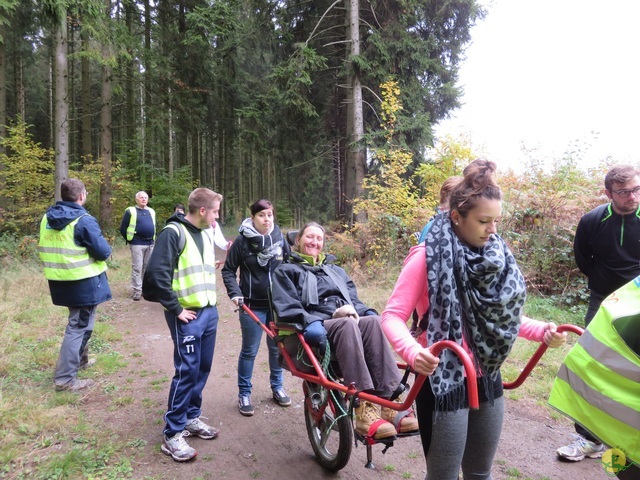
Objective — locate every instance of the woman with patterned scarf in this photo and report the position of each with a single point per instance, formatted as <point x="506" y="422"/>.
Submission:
<point x="256" y="252"/>
<point x="466" y="286"/>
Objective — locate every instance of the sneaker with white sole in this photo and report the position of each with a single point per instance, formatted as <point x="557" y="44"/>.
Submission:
<point x="281" y="397"/>
<point x="76" y="385"/>
<point x="581" y="448"/>
<point x="196" y="427"/>
<point x="244" y="405"/>
<point x="177" y="448"/>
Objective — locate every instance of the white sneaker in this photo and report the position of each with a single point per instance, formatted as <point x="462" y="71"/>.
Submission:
<point x="178" y="448"/>
<point x="581" y="448"/>
<point x="200" y="429"/>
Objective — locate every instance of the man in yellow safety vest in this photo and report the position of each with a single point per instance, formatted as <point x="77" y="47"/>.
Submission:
<point x="138" y="228"/>
<point x="73" y="252"/>
<point x="181" y="276"/>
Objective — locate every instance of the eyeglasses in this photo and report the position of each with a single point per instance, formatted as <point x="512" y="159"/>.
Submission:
<point x="626" y="193"/>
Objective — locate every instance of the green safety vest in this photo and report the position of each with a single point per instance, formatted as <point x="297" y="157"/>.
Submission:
<point x="133" y="219"/>
<point x="63" y="260"/>
<point x="598" y="384"/>
<point x="194" y="278"/>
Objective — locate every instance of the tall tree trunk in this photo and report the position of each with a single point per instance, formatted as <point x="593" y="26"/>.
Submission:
<point x="106" y="148"/>
<point x="146" y="103"/>
<point x="86" y="149"/>
<point x="130" y="126"/>
<point x="61" y="130"/>
<point x="356" y="158"/>
<point x="19" y="86"/>
<point x="3" y="87"/>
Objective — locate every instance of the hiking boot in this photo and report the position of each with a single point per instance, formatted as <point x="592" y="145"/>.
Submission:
<point x="581" y="448"/>
<point x="244" y="405"/>
<point x="369" y="423"/>
<point x="136" y="297"/>
<point x="197" y="427"/>
<point x="403" y="421"/>
<point x="178" y="448"/>
<point x="75" y="385"/>
<point x="281" y="397"/>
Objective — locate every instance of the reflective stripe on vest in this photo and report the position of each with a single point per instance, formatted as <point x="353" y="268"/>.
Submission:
<point x="63" y="260"/>
<point x="598" y="384"/>
<point x="133" y="219"/>
<point x="194" y="279"/>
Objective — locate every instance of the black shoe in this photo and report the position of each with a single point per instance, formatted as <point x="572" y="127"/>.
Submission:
<point x="281" y="397"/>
<point x="244" y="405"/>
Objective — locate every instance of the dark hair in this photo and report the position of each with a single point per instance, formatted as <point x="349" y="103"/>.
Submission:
<point x="259" y="206"/>
<point x="203" y="197"/>
<point x="308" y="225"/>
<point x="478" y="181"/>
<point x="71" y="189"/>
<point x="178" y="206"/>
<point x="619" y="174"/>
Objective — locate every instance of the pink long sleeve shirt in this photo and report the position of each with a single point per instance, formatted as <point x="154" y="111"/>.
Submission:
<point x="409" y="293"/>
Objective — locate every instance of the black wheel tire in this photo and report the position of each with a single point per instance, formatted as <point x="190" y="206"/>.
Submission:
<point x="332" y="440"/>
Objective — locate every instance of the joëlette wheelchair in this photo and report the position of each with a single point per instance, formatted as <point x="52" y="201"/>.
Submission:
<point x="328" y="403"/>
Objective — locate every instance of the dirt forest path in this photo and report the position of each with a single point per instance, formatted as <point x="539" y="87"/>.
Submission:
<point x="273" y="443"/>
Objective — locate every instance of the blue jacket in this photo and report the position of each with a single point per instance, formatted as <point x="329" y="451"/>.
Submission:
<point x="87" y="233"/>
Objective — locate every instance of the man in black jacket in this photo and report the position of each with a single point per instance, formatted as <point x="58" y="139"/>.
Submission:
<point x="181" y="276"/>
<point x="607" y="251"/>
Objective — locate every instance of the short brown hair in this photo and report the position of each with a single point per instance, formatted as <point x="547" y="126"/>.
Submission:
<point x="71" y="189"/>
<point x="309" y="225"/>
<point x="203" y="197"/>
<point x="619" y="174"/>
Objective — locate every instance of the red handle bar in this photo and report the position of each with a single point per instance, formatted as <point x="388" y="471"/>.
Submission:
<point x="537" y="356"/>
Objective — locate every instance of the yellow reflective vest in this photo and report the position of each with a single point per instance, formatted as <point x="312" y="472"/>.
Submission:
<point x="598" y="384"/>
<point x="194" y="278"/>
<point x="63" y="260"/>
<point x="133" y="219"/>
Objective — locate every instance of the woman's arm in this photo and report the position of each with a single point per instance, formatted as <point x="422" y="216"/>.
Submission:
<point x="538" y="331"/>
<point x="218" y="238"/>
<point x="409" y="292"/>
<point x="230" y="271"/>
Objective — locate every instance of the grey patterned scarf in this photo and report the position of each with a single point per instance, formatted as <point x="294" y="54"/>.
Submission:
<point x="265" y="246"/>
<point x="475" y="294"/>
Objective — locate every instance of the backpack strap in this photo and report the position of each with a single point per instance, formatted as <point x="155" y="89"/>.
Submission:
<point x="181" y="240"/>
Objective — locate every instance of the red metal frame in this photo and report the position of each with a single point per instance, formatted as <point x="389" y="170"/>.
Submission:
<point x="537" y="356"/>
<point x="320" y="378"/>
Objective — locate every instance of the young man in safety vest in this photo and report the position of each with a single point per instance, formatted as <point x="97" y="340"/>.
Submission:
<point x="181" y="276"/>
<point x="138" y="228"/>
<point x="73" y="252"/>
<point x="607" y="251"/>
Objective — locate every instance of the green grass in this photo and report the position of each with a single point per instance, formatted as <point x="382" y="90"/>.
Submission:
<point x="44" y="433"/>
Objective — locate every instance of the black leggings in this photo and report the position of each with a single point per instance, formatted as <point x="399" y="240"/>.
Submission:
<point x="461" y="438"/>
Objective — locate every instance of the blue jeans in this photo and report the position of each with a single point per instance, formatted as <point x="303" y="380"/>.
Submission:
<point x="193" y="346"/>
<point x="251" y="336"/>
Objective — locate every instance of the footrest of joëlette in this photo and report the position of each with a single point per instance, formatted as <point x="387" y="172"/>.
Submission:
<point x="369" y="441"/>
